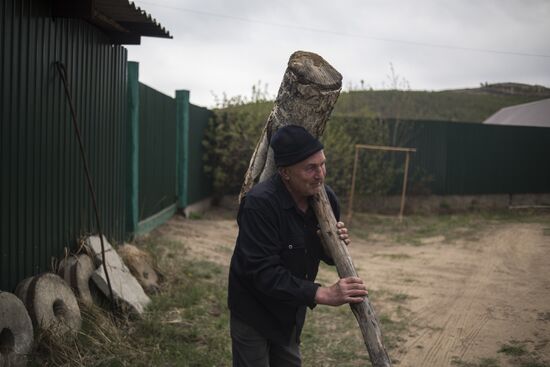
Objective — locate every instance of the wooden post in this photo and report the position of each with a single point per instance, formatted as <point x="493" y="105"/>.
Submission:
<point x="306" y="97"/>
<point x="352" y="190"/>
<point x="404" y="187"/>
<point x="384" y="148"/>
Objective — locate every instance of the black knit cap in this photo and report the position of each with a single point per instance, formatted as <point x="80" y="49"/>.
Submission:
<point x="292" y="144"/>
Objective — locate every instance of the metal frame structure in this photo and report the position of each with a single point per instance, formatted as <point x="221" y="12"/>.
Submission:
<point x="383" y="148"/>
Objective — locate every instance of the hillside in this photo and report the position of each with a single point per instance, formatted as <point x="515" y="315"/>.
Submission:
<point x="464" y="105"/>
<point x="467" y="105"/>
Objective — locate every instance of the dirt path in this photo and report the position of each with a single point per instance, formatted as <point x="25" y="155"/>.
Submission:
<point x="463" y="300"/>
<point x="468" y="299"/>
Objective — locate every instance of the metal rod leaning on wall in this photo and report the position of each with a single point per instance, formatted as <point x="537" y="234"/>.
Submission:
<point x="354" y="174"/>
<point x="63" y="74"/>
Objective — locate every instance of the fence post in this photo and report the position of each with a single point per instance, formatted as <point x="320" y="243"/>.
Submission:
<point x="182" y="147"/>
<point x="132" y="174"/>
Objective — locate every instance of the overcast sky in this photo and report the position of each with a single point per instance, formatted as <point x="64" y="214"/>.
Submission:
<point x="228" y="46"/>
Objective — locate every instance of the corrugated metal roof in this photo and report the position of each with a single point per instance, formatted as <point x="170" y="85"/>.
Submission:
<point x="527" y="114"/>
<point x="121" y="20"/>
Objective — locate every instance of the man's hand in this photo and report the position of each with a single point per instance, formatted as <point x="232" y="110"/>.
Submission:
<point x="346" y="290"/>
<point x="343" y="233"/>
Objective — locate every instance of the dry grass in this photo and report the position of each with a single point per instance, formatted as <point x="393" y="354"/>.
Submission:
<point x="102" y="340"/>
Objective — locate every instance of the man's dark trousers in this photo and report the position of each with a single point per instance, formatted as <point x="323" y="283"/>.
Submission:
<point x="250" y="349"/>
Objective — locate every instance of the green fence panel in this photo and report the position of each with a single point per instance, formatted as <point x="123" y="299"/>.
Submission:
<point x="44" y="202"/>
<point x="471" y="158"/>
<point x="199" y="183"/>
<point x="182" y="146"/>
<point x="157" y="152"/>
<point x="491" y="159"/>
<point x="132" y="175"/>
<point x="460" y="158"/>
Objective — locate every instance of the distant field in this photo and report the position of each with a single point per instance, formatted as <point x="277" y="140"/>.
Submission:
<point x="463" y="105"/>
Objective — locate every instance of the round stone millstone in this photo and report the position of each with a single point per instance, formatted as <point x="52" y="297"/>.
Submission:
<point x="16" y="332"/>
<point x="64" y="268"/>
<point x="52" y="304"/>
<point x="22" y="288"/>
<point x="141" y="266"/>
<point x="77" y="271"/>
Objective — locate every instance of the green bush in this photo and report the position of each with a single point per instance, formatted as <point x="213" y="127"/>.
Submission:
<point x="237" y="124"/>
<point x="377" y="173"/>
<point x="230" y="140"/>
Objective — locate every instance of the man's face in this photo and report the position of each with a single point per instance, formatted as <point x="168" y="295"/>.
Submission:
<point x="306" y="178"/>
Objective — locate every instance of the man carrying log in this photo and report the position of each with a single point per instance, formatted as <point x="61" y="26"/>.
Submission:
<point x="277" y="256"/>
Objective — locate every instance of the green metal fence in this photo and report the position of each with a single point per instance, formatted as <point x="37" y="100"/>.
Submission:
<point x="469" y="159"/>
<point x="200" y="184"/>
<point x="44" y="202"/>
<point x="165" y="170"/>
<point x="157" y="158"/>
<point x="455" y="158"/>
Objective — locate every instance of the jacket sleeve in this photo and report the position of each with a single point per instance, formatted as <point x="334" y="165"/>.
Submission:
<point x="259" y="251"/>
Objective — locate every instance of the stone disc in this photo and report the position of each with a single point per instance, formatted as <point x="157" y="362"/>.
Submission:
<point x="65" y="268"/>
<point x="52" y="304"/>
<point x="16" y="332"/>
<point x="80" y="275"/>
<point x="22" y="288"/>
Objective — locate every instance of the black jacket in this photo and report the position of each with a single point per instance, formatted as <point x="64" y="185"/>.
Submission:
<point x="275" y="261"/>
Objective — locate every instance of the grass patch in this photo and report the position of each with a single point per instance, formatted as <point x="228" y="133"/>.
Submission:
<point x="399" y="297"/>
<point x="452" y="227"/>
<point x="534" y="364"/>
<point x="520" y="356"/>
<point x="482" y="362"/>
<point x="415" y="228"/>
<point x="195" y="216"/>
<point x="394" y="256"/>
<point x="331" y="337"/>
<point x="392" y="328"/>
<point x="102" y="341"/>
<point x="185" y="325"/>
<point x="514" y="350"/>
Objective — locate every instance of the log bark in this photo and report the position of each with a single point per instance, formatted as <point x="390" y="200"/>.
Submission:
<point x="307" y="95"/>
<point x="364" y="312"/>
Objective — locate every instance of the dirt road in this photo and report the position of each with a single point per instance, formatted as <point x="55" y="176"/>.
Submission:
<point x="466" y="300"/>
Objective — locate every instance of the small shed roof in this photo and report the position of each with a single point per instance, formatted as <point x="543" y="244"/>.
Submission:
<point x="527" y="114"/>
<point x="121" y="20"/>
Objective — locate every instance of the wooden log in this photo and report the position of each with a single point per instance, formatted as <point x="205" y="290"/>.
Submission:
<point x="364" y="312"/>
<point x="307" y="95"/>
